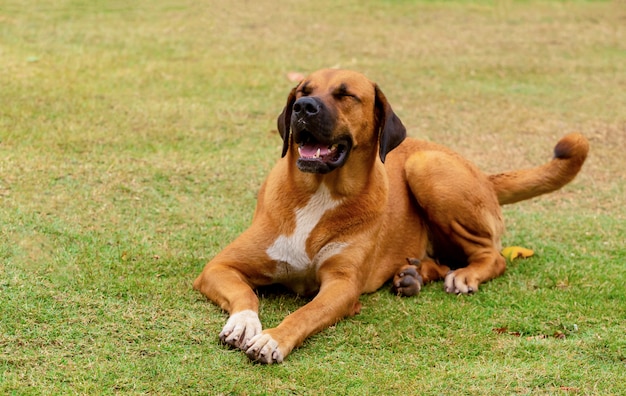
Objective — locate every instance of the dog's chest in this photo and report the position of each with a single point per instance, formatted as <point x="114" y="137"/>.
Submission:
<point x="295" y="267"/>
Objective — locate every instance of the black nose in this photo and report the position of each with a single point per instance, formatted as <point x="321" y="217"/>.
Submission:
<point x="306" y="106"/>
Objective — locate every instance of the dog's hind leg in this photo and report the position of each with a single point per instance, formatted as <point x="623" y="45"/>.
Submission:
<point x="463" y="215"/>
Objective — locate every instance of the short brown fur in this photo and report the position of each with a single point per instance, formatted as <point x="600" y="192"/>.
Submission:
<point x="424" y="202"/>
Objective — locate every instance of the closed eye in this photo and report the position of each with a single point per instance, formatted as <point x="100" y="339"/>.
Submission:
<point x="305" y="89"/>
<point x="343" y="95"/>
<point x="342" y="92"/>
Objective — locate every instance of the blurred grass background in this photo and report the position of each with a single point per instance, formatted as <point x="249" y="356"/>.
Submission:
<point x="134" y="137"/>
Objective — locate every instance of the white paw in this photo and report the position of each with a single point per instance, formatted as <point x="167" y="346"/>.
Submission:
<point x="240" y="328"/>
<point x="457" y="284"/>
<point x="263" y="348"/>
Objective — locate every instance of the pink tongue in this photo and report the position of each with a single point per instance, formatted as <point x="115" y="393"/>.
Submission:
<point x="310" y="150"/>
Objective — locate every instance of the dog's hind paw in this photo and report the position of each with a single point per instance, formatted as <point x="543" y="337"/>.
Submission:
<point x="407" y="281"/>
<point x="240" y="328"/>
<point x="460" y="282"/>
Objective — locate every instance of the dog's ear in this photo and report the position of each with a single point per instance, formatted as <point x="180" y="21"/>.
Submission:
<point x="391" y="130"/>
<point x="284" y="121"/>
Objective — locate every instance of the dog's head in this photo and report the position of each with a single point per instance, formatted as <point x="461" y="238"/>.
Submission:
<point x="332" y="113"/>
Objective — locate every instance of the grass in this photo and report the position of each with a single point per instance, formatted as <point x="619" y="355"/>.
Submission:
<point x="134" y="136"/>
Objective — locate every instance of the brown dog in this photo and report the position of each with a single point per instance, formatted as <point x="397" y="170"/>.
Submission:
<point x="350" y="201"/>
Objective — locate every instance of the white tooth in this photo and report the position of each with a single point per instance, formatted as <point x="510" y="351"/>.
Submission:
<point x="300" y="151"/>
<point x="317" y="155"/>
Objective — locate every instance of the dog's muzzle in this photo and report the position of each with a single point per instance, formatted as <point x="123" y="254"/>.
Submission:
<point x="313" y="128"/>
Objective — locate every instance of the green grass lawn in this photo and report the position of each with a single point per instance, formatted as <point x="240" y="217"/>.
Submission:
<point x="134" y="137"/>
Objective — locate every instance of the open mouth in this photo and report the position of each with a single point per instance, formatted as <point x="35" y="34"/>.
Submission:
<point x="321" y="157"/>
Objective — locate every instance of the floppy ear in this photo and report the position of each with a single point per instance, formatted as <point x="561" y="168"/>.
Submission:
<point x="284" y="121"/>
<point x="391" y="131"/>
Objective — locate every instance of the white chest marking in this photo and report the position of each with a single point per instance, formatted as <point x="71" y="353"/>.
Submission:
<point x="292" y="249"/>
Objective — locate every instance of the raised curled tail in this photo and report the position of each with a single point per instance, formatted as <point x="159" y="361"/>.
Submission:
<point x="569" y="155"/>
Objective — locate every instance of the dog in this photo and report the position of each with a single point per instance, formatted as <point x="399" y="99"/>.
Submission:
<point x="353" y="203"/>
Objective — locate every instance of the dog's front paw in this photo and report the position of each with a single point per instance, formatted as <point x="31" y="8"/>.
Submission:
<point x="460" y="281"/>
<point x="240" y="328"/>
<point x="264" y="348"/>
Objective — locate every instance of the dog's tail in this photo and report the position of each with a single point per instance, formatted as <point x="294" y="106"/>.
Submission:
<point x="569" y="155"/>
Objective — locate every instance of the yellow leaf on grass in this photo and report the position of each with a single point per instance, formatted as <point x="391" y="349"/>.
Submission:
<point x="513" y="252"/>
